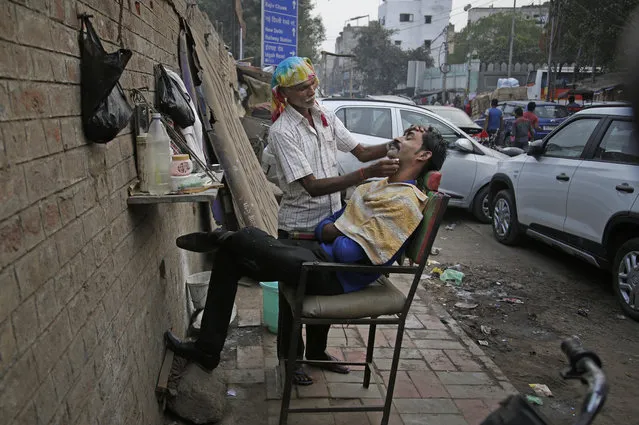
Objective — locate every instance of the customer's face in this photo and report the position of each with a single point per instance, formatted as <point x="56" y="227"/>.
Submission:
<point x="301" y="95"/>
<point x="409" y="146"/>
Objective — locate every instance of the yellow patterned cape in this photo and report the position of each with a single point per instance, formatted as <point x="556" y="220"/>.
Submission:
<point x="381" y="216"/>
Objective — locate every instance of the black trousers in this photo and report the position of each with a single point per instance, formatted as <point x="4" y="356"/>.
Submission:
<point x="253" y="253"/>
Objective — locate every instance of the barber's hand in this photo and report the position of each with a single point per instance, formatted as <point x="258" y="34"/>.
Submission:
<point x="383" y="168"/>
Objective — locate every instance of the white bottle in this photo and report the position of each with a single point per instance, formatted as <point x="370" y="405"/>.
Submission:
<point x="159" y="150"/>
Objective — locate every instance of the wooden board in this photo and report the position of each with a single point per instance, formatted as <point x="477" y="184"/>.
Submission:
<point x="255" y="203"/>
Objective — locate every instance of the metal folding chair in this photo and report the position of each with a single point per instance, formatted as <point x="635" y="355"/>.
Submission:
<point x="379" y="303"/>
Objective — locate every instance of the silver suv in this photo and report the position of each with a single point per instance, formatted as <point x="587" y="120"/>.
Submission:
<point x="577" y="190"/>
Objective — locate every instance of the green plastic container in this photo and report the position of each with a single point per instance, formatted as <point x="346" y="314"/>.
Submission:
<point x="270" y="305"/>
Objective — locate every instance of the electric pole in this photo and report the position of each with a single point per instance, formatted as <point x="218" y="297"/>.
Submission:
<point x="444" y="66"/>
<point x="552" y="35"/>
<point x="512" y="39"/>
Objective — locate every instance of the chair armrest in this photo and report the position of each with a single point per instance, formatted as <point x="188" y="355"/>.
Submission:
<point x="358" y="268"/>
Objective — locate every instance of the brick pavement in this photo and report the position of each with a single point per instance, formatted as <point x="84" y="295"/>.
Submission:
<point x="444" y="378"/>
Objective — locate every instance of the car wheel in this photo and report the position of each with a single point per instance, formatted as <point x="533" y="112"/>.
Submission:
<point x="625" y="273"/>
<point x="481" y="207"/>
<point x="505" y="225"/>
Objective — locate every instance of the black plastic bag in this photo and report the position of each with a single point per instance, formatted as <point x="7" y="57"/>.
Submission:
<point x="171" y="100"/>
<point x="515" y="411"/>
<point x="105" y="109"/>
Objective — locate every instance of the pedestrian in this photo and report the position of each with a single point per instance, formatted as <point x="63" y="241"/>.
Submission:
<point x="494" y="122"/>
<point x="522" y="130"/>
<point x="372" y="229"/>
<point x="573" y="106"/>
<point x="304" y="140"/>
<point x="532" y="117"/>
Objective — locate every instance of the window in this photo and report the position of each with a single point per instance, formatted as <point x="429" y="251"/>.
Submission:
<point x="428" y="19"/>
<point x="415" y="118"/>
<point x="427" y="44"/>
<point x="405" y="17"/>
<point x="368" y="121"/>
<point x="569" y="142"/>
<point x="551" y="111"/>
<point x="398" y="42"/>
<point x="619" y="144"/>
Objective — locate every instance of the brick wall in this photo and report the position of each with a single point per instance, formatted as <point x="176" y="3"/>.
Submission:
<point x="83" y="301"/>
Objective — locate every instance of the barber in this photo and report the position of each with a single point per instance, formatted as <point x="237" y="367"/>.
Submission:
<point x="304" y="140"/>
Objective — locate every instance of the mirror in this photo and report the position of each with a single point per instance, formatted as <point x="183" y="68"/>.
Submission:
<point x="536" y="148"/>
<point x="464" y="145"/>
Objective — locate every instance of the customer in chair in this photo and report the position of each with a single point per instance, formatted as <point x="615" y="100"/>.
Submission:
<point x="373" y="228"/>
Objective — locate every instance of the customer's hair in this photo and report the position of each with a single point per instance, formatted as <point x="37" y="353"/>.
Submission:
<point x="494" y="103"/>
<point x="571" y="99"/>
<point x="531" y="106"/>
<point x="519" y="112"/>
<point x="433" y="142"/>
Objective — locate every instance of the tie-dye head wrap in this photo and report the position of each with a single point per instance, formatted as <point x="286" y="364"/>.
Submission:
<point x="290" y="72"/>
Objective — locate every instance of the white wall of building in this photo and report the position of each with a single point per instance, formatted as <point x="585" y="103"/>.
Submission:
<point x="411" y="35"/>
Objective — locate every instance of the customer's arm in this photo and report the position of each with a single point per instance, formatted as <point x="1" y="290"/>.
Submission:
<point x="326" y="230"/>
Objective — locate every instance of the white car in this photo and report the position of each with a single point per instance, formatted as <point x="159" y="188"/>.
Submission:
<point x="467" y="170"/>
<point x="578" y="190"/>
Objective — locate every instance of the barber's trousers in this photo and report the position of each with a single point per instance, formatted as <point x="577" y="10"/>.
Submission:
<point x="253" y="253"/>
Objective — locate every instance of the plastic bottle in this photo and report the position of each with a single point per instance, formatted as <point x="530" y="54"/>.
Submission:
<point x="159" y="150"/>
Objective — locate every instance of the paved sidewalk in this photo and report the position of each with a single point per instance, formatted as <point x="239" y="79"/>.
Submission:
<point x="444" y="378"/>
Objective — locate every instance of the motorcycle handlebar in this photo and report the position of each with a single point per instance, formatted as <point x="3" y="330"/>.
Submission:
<point x="586" y="366"/>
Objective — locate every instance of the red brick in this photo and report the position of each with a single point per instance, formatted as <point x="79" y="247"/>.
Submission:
<point x="50" y="213"/>
<point x="355" y="355"/>
<point x="431" y="322"/>
<point x="428" y="384"/>
<point x="404" y="387"/>
<point x="32" y="230"/>
<point x="463" y="360"/>
<point x="13" y="191"/>
<point x="11" y="241"/>
<point x="474" y="410"/>
<point x="28" y="100"/>
<point x="53" y="135"/>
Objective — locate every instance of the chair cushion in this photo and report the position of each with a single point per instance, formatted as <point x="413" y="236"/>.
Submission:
<point x="377" y="299"/>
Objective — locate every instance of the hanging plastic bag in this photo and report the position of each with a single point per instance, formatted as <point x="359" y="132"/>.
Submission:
<point x="171" y="100"/>
<point x="105" y="109"/>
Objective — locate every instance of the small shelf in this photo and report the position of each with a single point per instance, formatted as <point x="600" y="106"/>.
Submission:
<point x="143" y="198"/>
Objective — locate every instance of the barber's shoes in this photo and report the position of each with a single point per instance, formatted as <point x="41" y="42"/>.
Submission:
<point x="189" y="351"/>
<point x="203" y="241"/>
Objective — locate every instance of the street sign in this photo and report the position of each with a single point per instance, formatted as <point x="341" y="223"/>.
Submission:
<point x="279" y="30"/>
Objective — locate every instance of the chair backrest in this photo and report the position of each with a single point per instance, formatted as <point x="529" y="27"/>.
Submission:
<point x="422" y="240"/>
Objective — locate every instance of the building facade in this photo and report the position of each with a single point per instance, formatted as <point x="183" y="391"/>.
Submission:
<point x="537" y="12"/>
<point x="417" y="23"/>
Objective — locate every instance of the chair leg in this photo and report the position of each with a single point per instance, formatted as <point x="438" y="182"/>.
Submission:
<point x="393" y="373"/>
<point x="291" y="362"/>
<point x="369" y="353"/>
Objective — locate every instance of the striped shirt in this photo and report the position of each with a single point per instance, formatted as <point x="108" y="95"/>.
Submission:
<point x="301" y="150"/>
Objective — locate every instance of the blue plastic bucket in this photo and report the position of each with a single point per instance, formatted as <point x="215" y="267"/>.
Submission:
<point x="270" y="305"/>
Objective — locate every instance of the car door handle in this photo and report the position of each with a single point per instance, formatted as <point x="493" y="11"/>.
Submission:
<point x="563" y="177"/>
<point x="625" y="188"/>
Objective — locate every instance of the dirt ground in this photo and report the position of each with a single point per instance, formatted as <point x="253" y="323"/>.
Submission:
<point x="561" y="296"/>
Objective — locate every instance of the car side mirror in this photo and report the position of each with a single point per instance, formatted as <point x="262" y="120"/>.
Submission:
<point x="536" y="148"/>
<point x="464" y="145"/>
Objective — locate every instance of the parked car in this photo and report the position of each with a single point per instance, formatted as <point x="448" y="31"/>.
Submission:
<point x="578" y="190"/>
<point x="466" y="172"/>
<point x="456" y="116"/>
<point x="550" y="116"/>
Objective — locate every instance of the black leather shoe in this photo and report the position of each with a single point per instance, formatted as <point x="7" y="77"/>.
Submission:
<point x="190" y="351"/>
<point x="203" y="241"/>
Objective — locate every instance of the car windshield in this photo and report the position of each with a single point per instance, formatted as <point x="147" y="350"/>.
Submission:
<point x="456" y="116"/>
<point x="551" y="111"/>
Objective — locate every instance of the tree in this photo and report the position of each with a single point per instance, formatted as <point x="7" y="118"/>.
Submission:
<point x="311" y="32"/>
<point x="383" y="65"/>
<point x="490" y="37"/>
